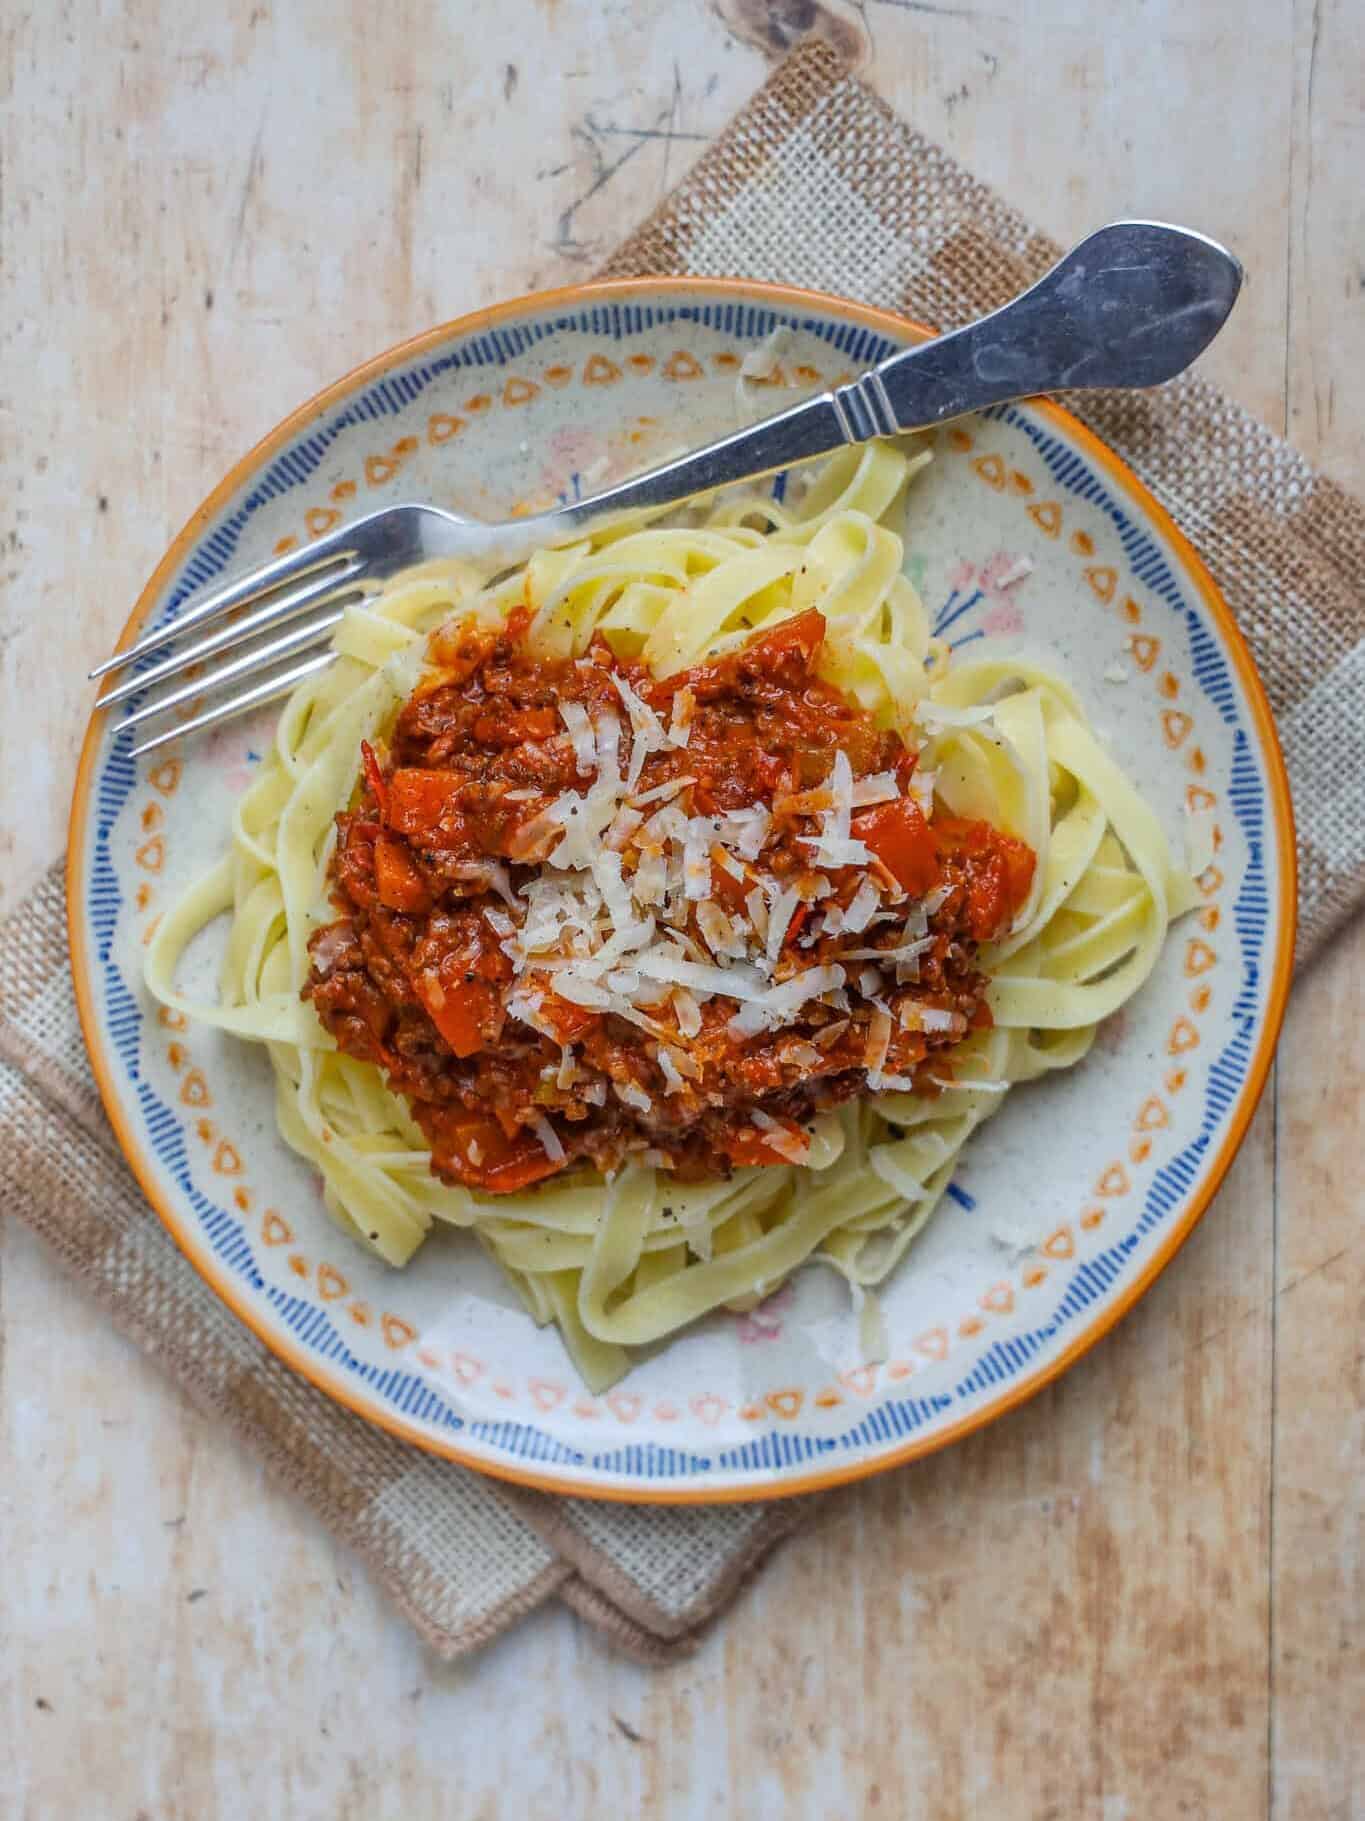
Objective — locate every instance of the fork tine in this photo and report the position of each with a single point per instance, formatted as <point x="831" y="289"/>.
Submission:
<point x="340" y="564"/>
<point x="223" y="640"/>
<point x="250" y="661"/>
<point x="265" y="691"/>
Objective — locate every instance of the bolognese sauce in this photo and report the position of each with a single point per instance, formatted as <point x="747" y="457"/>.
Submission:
<point x="586" y="914"/>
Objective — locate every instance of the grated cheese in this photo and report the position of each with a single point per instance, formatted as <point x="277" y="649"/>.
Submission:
<point x="879" y="787"/>
<point x="687" y="1012"/>
<point x="548" y="1137"/>
<point x="757" y="906"/>
<point x="775" y="1005"/>
<point x="878" y="1041"/>
<point x="794" y="1146"/>
<point x="623" y="825"/>
<point x="719" y="932"/>
<point x="672" y="787"/>
<point x="779" y="921"/>
<point x="859" y="913"/>
<point x="646" y="729"/>
<point x="680" y="720"/>
<point x="575" y="717"/>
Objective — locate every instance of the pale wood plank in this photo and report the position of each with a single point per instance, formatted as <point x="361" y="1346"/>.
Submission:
<point x="1318" y="1477"/>
<point x="1318" y="1467"/>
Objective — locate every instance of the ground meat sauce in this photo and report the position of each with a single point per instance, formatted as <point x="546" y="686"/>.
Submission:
<point x="414" y="975"/>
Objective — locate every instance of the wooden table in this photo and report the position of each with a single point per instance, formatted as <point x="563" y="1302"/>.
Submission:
<point x="1143" y="1595"/>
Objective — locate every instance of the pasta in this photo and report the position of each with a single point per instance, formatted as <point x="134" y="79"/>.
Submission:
<point x="623" y="1261"/>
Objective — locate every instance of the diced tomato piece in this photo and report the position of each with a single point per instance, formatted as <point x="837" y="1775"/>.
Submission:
<point x="569" y="1022"/>
<point x="491" y="1160"/>
<point x="999" y="871"/>
<point x="803" y="633"/>
<point x="1020" y="861"/>
<point x="397" y="877"/>
<point x="459" y="1012"/>
<point x="902" y="840"/>
<point x="374" y="775"/>
<point x="422" y="801"/>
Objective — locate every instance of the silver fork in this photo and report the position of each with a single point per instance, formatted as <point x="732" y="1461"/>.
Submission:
<point x="1131" y="306"/>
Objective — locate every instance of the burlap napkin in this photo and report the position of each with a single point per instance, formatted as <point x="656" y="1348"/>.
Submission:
<point x="817" y="183"/>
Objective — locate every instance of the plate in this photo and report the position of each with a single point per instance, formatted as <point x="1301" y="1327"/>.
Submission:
<point x="1062" y="1211"/>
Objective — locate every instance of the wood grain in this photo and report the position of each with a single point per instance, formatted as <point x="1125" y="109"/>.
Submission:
<point x="1142" y="1595"/>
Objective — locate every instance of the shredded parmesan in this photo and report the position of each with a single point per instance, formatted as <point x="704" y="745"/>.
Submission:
<point x="646" y="730"/>
<point x="687" y="1012"/>
<point x="922" y="791"/>
<point x="661" y="793"/>
<point x="834" y="845"/>
<point x="880" y="787"/>
<point x="878" y="1041"/>
<point x="575" y="718"/>
<point x="779" y="921"/>
<point x="680" y="720"/>
<point x="719" y="932"/>
<point x="757" y="906"/>
<point x="777" y="1004"/>
<point x="794" y="1146"/>
<point x="865" y="902"/>
<point x="548" y="1137"/>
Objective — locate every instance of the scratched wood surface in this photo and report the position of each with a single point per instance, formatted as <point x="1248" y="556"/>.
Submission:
<point x="1141" y="1596"/>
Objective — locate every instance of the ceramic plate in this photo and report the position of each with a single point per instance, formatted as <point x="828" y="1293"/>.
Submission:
<point x="1064" y="1207"/>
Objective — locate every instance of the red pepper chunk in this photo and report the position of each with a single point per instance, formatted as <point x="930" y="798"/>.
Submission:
<point x="803" y="633"/>
<point x="999" y="872"/>
<point x="421" y="802"/>
<point x="569" y="1022"/>
<point x="458" y="1012"/>
<point x="499" y="1164"/>
<point x="374" y="776"/>
<point x="902" y="840"/>
<point x="397" y="877"/>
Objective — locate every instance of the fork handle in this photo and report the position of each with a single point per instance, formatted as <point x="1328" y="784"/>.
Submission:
<point x="1131" y="306"/>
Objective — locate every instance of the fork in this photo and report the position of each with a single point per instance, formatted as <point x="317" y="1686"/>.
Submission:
<point x="1130" y="306"/>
